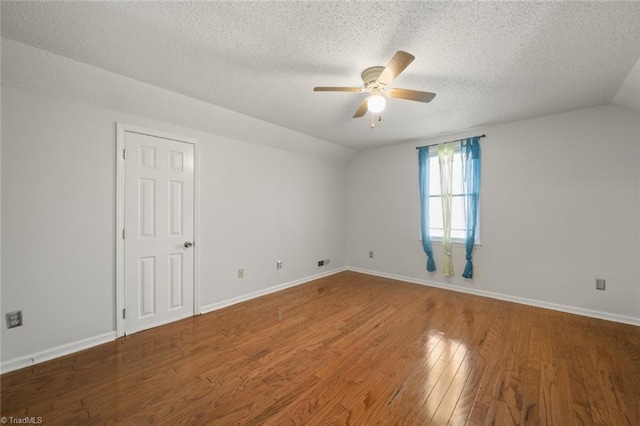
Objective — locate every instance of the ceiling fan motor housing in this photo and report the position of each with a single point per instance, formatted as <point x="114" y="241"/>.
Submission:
<point x="370" y="79"/>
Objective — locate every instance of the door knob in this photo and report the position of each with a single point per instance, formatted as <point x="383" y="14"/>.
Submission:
<point x="188" y="244"/>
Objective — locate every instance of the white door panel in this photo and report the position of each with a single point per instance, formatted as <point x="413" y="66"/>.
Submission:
<point x="159" y="220"/>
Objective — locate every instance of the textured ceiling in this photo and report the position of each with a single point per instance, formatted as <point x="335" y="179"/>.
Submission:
<point x="488" y="62"/>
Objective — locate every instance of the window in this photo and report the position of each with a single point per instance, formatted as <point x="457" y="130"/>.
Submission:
<point x="461" y="166"/>
<point x="458" y="227"/>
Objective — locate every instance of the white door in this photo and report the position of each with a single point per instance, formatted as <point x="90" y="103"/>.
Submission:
<point x="159" y="231"/>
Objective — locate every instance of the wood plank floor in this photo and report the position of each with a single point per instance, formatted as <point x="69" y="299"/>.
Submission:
<point x="348" y="349"/>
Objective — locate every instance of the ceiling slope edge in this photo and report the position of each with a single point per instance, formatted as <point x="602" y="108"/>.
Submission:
<point x="628" y="95"/>
<point x="27" y="67"/>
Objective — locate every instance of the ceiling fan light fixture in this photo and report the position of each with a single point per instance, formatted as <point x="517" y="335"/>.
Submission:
<point x="376" y="103"/>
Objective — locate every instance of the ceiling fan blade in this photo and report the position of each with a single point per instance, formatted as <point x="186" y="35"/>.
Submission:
<point x="362" y="109"/>
<point x="397" y="64"/>
<point x="412" y="95"/>
<point x="337" y="89"/>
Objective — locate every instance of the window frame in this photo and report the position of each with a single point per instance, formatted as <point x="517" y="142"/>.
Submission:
<point x="454" y="240"/>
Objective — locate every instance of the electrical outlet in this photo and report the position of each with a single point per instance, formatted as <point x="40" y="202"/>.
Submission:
<point x="14" y="319"/>
<point x="320" y="263"/>
<point x="326" y="261"/>
<point x="600" y="284"/>
<point x="279" y="264"/>
<point x="370" y="254"/>
<point x="241" y="273"/>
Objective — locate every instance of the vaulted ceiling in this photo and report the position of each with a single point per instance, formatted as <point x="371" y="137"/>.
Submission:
<point x="488" y="62"/>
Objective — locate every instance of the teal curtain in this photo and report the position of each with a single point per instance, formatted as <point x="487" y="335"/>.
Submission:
<point x="445" y="159"/>
<point x="471" y="190"/>
<point x="423" y="181"/>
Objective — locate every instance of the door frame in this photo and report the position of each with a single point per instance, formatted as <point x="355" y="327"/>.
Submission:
<point x="121" y="130"/>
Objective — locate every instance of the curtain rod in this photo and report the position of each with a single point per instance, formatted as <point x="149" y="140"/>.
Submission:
<point x="457" y="140"/>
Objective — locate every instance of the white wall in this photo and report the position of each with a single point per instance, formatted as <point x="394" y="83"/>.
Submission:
<point x="559" y="207"/>
<point x="258" y="204"/>
<point x="261" y="205"/>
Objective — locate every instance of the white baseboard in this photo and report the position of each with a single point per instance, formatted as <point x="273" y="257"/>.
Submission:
<point x="243" y="298"/>
<point x="46" y="355"/>
<point x="516" y="299"/>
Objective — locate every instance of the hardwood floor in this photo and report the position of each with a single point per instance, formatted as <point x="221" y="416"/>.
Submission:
<point x="348" y="349"/>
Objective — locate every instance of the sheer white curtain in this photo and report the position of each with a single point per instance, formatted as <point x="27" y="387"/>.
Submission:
<point x="445" y="160"/>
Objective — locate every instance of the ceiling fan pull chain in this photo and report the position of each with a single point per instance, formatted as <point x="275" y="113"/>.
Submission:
<point x="373" y="126"/>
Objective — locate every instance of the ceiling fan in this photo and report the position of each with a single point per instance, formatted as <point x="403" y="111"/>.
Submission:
<point x="376" y="80"/>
